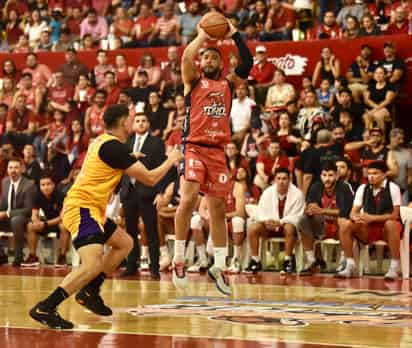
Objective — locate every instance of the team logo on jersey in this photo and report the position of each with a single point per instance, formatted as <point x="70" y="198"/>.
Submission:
<point x="216" y="108"/>
<point x="204" y="84"/>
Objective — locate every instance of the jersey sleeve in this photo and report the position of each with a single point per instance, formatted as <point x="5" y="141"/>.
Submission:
<point x="116" y="155"/>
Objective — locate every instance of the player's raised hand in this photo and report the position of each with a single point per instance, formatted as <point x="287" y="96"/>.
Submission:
<point x="231" y="31"/>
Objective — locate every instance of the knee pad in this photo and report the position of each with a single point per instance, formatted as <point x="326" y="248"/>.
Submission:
<point x="196" y="222"/>
<point x="238" y="224"/>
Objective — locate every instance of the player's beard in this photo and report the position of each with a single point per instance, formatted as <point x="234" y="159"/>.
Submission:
<point x="212" y="74"/>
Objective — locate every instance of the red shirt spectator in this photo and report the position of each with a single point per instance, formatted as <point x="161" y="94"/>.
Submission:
<point x="400" y="25"/>
<point x="80" y="4"/>
<point x="281" y="16"/>
<point x="263" y="70"/>
<point x="144" y="23"/>
<point x="61" y="94"/>
<point x="41" y="74"/>
<point x="20" y="117"/>
<point x="174" y="139"/>
<point x="329" y="29"/>
<point x="271" y="163"/>
<point x="19" y="6"/>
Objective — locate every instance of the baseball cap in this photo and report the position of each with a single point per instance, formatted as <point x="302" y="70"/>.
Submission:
<point x="260" y="49"/>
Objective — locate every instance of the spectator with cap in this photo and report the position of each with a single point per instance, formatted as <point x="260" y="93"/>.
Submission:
<point x="261" y="75"/>
<point x="279" y="23"/>
<point x="94" y="25"/>
<point x="403" y="158"/>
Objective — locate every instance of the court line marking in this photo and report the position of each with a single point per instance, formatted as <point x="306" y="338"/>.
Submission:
<point x="186" y="336"/>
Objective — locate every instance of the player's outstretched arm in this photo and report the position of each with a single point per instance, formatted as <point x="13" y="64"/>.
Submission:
<point x="152" y="177"/>
<point x="189" y="71"/>
<point x="246" y="58"/>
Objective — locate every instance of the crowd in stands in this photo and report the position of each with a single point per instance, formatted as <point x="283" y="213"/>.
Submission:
<point x="298" y="153"/>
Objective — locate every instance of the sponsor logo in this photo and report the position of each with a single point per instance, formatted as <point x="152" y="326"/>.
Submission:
<point x="282" y="313"/>
<point x="292" y="65"/>
<point x="204" y="84"/>
<point x="223" y="178"/>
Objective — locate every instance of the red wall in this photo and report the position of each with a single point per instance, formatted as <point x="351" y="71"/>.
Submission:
<point x="345" y="50"/>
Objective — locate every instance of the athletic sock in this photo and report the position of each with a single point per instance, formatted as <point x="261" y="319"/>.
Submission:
<point x="395" y="264"/>
<point x="256" y="258"/>
<point x="220" y="257"/>
<point x="55" y="298"/>
<point x="350" y="262"/>
<point x="237" y="249"/>
<point x="95" y="284"/>
<point x="201" y="252"/>
<point x="310" y="256"/>
<point x="145" y="252"/>
<point x="180" y="246"/>
<point x="288" y="258"/>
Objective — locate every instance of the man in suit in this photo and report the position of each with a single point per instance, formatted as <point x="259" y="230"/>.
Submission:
<point x="16" y="203"/>
<point x="138" y="199"/>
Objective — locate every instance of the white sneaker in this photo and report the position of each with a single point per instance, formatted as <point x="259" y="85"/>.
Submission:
<point x="164" y="262"/>
<point x="348" y="272"/>
<point x="179" y="275"/>
<point x="234" y="266"/>
<point x="198" y="266"/>
<point x="222" y="284"/>
<point x="392" y="274"/>
<point x="144" y="264"/>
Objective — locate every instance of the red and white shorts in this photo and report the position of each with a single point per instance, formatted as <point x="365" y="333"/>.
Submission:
<point x="208" y="167"/>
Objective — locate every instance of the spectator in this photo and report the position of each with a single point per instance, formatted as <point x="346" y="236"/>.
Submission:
<point x="403" y="158"/>
<point x="175" y="136"/>
<point x="56" y="24"/>
<point x="60" y="95"/>
<point x="57" y="164"/>
<point x="376" y="150"/>
<point x="380" y="201"/>
<point x="122" y="25"/>
<point x="83" y="93"/>
<point x="289" y="138"/>
<point x="352" y="28"/>
<point x="111" y="88"/>
<point x="346" y="103"/>
<point x="148" y="64"/>
<point x="259" y="14"/>
<point x="102" y="66"/>
<point x="400" y="25"/>
<point x="18" y="6"/>
<point x="72" y="68"/>
<point x="358" y="73"/>
<point x="13" y="29"/>
<point x="381" y="11"/>
<point x="3" y="117"/>
<point x="124" y="73"/>
<point x="10" y="70"/>
<point x="350" y="8"/>
<point x="77" y="142"/>
<point x="26" y="88"/>
<point x="267" y="163"/>
<point x="379" y="99"/>
<point x="166" y="29"/>
<point x="278" y="212"/>
<point x="94" y="25"/>
<point x="280" y="93"/>
<point x="93" y="119"/>
<point x="345" y="173"/>
<point x="17" y="196"/>
<point x="23" y="45"/>
<point x="325" y="95"/>
<point x="261" y="75"/>
<point x="328" y="67"/>
<point x="32" y="167"/>
<point x="8" y="92"/>
<point x="394" y="66"/>
<point x="64" y="42"/>
<point x="45" y="219"/>
<point x="157" y="114"/>
<point x="327" y="210"/>
<point x="173" y="88"/>
<point x="313" y="157"/>
<point x="352" y="133"/>
<point x="171" y="64"/>
<point x="310" y="114"/>
<point x="234" y="159"/>
<point x="241" y="113"/>
<point x="143" y="27"/>
<point x="141" y="90"/>
<point x="41" y="73"/>
<point x="175" y="115"/>
<point x="369" y="26"/>
<point x="325" y="5"/>
<point x="73" y="23"/>
<point x="34" y="28"/>
<point x="279" y="23"/>
<point x="21" y="123"/>
<point x="189" y="20"/>
<point x="328" y="29"/>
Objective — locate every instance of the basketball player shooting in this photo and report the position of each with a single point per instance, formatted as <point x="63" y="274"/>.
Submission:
<point x="208" y="98"/>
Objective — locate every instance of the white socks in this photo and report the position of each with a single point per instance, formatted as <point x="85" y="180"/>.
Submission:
<point x="201" y="252"/>
<point x="236" y="251"/>
<point x="350" y="262"/>
<point x="310" y="256"/>
<point x="180" y="246"/>
<point x="395" y="265"/>
<point x="220" y="257"/>
<point x="145" y="252"/>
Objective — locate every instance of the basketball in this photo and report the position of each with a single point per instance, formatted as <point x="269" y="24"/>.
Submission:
<point x="215" y="25"/>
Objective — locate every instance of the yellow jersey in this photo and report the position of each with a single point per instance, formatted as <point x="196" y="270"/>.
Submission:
<point x="96" y="181"/>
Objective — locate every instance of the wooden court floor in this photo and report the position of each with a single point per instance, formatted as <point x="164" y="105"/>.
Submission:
<point x="265" y="311"/>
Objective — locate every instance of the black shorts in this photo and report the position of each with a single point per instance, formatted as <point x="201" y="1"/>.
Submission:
<point x="108" y="229"/>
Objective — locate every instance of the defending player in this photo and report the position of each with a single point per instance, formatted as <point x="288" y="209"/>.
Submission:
<point x="84" y="216"/>
<point x="206" y="131"/>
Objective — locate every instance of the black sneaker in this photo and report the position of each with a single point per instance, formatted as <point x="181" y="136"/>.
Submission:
<point x="288" y="267"/>
<point x="93" y="302"/>
<point x="50" y="318"/>
<point x="253" y="267"/>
